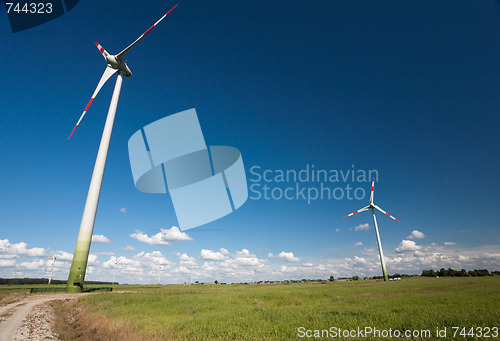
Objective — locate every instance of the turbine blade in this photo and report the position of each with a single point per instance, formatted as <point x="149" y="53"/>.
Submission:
<point x="105" y="76"/>
<point x="384" y="212"/>
<point x="102" y="50"/>
<point x="371" y="195"/>
<point x="360" y="210"/>
<point x="122" y="54"/>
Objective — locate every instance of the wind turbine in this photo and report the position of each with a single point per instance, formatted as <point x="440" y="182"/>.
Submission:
<point x="372" y="206"/>
<point x="159" y="273"/>
<point x="115" y="64"/>
<point x="52" y="268"/>
<point x="114" y="271"/>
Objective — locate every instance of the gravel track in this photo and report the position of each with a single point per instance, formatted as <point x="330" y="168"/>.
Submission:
<point x="30" y="318"/>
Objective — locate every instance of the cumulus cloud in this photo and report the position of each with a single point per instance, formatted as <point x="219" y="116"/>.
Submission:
<point x="407" y="246"/>
<point x="92" y="260"/>
<point x="164" y="237"/>
<point x="186" y="260"/>
<point x="416" y="234"/>
<point x="212" y="255"/>
<point x="9" y="250"/>
<point x="244" y="257"/>
<point x="337" y="230"/>
<point x="449" y="243"/>
<point x="123" y="210"/>
<point x="287" y="256"/>
<point x="33" y="265"/>
<point x="7" y="262"/>
<point x="362" y="227"/>
<point x="128" y="248"/>
<point x="63" y="256"/>
<point x="359" y="244"/>
<point x="151" y="258"/>
<point x="99" y="238"/>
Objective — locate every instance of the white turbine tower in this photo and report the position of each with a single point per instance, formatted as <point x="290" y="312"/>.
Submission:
<point x="159" y="273"/>
<point x="52" y="267"/>
<point x="115" y="64"/>
<point x="372" y="206"/>
<point x="114" y="271"/>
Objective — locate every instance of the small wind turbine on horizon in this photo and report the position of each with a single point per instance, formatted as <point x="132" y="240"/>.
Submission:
<point x="115" y="63"/>
<point x="52" y="267"/>
<point x="114" y="271"/>
<point x="372" y="206"/>
<point x="159" y="273"/>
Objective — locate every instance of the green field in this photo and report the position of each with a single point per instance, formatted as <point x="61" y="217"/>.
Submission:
<point x="277" y="311"/>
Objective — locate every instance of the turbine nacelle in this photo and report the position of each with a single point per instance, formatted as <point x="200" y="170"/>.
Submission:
<point x="118" y="64"/>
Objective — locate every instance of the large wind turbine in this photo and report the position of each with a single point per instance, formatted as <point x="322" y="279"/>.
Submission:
<point x="372" y="206"/>
<point x="80" y="257"/>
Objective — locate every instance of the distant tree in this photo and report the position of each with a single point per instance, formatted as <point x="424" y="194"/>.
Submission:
<point x="355" y="278"/>
<point x="216" y="282"/>
<point x="331" y="279"/>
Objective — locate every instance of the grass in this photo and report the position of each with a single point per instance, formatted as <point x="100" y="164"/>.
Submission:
<point x="276" y="311"/>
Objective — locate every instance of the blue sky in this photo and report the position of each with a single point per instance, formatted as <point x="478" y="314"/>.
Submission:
<point x="409" y="89"/>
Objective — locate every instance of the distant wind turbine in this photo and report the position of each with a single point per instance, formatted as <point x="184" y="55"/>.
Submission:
<point x="372" y="206"/>
<point x="52" y="267"/>
<point x="114" y="271"/>
<point x="159" y="273"/>
<point x="115" y="64"/>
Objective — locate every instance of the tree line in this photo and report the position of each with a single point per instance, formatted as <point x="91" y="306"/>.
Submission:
<point x="456" y="273"/>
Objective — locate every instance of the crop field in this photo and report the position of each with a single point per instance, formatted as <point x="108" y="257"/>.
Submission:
<point x="422" y="307"/>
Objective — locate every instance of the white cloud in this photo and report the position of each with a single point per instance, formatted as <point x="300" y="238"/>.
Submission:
<point x="308" y="265"/>
<point x="362" y="227"/>
<point x="224" y="251"/>
<point x="123" y="210"/>
<point x="186" y="260"/>
<point x="287" y="256"/>
<point x="288" y="269"/>
<point x="19" y="249"/>
<point x="164" y="237"/>
<point x="99" y="238"/>
<point x="449" y="243"/>
<point x="416" y="234"/>
<point x="407" y="245"/>
<point x="92" y="260"/>
<point x="152" y="258"/>
<point x="212" y="255"/>
<point x="359" y="244"/>
<point x="337" y="230"/>
<point x="128" y="248"/>
<point x="33" y="265"/>
<point x="7" y="262"/>
<point x="63" y="256"/>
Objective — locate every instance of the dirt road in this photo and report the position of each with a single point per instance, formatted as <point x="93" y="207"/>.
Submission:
<point x="29" y="318"/>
